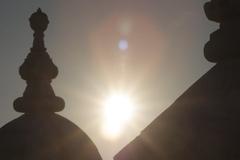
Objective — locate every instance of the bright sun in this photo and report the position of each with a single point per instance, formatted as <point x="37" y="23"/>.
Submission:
<point x="118" y="111"/>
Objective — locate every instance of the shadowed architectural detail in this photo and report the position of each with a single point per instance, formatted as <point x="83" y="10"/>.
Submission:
<point x="38" y="70"/>
<point x="203" y="123"/>
<point x="224" y="43"/>
<point x="40" y="134"/>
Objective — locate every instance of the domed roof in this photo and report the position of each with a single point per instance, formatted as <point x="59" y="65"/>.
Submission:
<point x="41" y="134"/>
<point x="45" y="137"/>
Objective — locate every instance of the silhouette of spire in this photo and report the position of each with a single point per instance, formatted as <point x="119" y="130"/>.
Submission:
<point x="38" y="70"/>
<point x="32" y="136"/>
<point x="223" y="44"/>
<point x="38" y="22"/>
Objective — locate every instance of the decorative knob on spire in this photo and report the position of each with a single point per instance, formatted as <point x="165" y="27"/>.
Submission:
<point x="224" y="43"/>
<point x="38" y="70"/>
<point x="39" y="21"/>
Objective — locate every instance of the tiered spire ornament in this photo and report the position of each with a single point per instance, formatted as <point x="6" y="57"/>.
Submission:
<point x="224" y="43"/>
<point x="32" y="136"/>
<point x="38" y="70"/>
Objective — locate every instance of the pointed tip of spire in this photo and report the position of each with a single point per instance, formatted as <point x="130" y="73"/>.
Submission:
<point x="39" y="9"/>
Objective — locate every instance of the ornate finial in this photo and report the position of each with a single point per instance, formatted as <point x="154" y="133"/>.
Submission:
<point x="39" y="23"/>
<point x="224" y="43"/>
<point x="38" y="70"/>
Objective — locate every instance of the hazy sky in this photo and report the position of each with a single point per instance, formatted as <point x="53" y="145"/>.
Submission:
<point x="165" y="56"/>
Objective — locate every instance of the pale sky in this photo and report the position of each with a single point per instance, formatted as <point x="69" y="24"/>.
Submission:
<point x="164" y="56"/>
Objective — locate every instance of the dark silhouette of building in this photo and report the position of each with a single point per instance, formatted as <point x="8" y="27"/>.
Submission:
<point x="40" y="134"/>
<point x="203" y="123"/>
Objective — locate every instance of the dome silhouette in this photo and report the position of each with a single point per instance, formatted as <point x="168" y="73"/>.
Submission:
<point x="40" y="133"/>
<point x="45" y="137"/>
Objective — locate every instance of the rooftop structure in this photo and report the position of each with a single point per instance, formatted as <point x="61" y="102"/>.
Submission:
<point x="40" y="133"/>
<point x="203" y="123"/>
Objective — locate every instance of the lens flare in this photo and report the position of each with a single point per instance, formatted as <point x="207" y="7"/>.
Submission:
<point x="123" y="45"/>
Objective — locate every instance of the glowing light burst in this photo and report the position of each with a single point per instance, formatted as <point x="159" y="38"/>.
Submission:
<point x="123" y="45"/>
<point x="118" y="111"/>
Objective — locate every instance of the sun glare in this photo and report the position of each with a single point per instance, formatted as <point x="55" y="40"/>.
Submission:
<point x="118" y="111"/>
